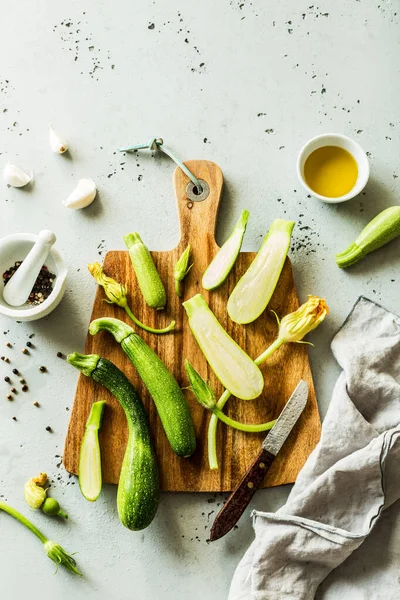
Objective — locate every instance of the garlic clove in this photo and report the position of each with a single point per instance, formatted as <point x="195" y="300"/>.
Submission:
<point x="58" y="145"/>
<point x="82" y="196"/>
<point x="16" y="177"/>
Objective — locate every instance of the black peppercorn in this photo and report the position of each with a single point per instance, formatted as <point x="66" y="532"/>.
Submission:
<point x="42" y="369"/>
<point x="7" y="379"/>
<point x="42" y="288"/>
<point x="29" y="344"/>
<point x="15" y="371"/>
<point x="48" y="428"/>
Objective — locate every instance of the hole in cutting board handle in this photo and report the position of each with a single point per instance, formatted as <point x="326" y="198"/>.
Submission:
<point x="193" y="194"/>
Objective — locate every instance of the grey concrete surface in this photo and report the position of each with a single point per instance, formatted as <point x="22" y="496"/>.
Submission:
<point x="244" y="84"/>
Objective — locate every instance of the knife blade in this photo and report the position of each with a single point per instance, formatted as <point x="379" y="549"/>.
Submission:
<point x="237" y="502"/>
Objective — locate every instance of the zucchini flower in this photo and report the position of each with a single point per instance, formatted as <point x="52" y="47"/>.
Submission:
<point x="294" y="326"/>
<point x="116" y="294"/>
<point x="182" y="269"/>
<point x="58" y="555"/>
<point x="35" y="490"/>
<point x="200" y="388"/>
<point x="54" y="551"/>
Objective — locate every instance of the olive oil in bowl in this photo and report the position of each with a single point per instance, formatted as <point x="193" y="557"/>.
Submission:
<point x="332" y="167"/>
<point x="331" y="171"/>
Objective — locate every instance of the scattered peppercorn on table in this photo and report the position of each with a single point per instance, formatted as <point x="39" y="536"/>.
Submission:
<point x="244" y="85"/>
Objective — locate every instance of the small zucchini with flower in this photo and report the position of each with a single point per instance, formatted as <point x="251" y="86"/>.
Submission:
<point x="234" y="368"/>
<point x="384" y="228"/>
<point x="168" y="397"/>
<point x="116" y="294"/>
<point x="148" y="278"/>
<point x="54" y="551"/>
<point x="35" y="494"/>
<point x="254" y="290"/>
<point x="138" y="489"/>
<point x="222" y="263"/>
<point x="182" y="268"/>
<point x="292" y="328"/>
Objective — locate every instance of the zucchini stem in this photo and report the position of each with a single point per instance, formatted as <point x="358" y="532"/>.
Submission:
<point x="24" y="521"/>
<point x="247" y="427"/>
<point x="130" y="314"/>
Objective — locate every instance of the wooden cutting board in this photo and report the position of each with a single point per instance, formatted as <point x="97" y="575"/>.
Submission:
<point x="282" y="371"/>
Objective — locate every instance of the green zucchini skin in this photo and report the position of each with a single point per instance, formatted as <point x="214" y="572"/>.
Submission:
<point x="148" y="278"/>
<point x="138" y="488"/>
<point x="168" y="397"/>
<point x="384" y="228"/>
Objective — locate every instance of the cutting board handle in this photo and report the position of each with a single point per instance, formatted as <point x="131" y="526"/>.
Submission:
<point x="198" y="219"/>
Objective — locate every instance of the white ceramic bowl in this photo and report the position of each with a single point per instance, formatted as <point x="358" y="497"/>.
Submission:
<point x="16" y="247"/>
<point x="335" y="139"/>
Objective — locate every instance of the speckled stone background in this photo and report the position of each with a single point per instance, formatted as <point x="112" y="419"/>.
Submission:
<point x="244" y="84"/>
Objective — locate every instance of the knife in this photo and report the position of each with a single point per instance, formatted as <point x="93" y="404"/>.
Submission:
<point x="237" y="502"/>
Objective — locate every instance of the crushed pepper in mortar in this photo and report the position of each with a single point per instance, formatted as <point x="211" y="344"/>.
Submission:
<point x="43" y="284"/>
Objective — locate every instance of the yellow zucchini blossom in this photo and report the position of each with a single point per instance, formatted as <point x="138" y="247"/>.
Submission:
<point x="115" y="292"/>
<point x="294" y="326"/>
<point x="35" y="491"/>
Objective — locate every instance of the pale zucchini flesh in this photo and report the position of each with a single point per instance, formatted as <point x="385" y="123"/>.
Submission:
<point x="90" y="478"/>
<point x="234" y="368"/>
<point x="253" y="291"/>
<point x="221" y="265"/>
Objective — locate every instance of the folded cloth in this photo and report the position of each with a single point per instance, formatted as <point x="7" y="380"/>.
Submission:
<point x="342" y="493"/>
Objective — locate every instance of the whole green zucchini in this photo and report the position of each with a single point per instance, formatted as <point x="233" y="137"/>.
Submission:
<point x="138" y="488"/>
<point x="162" y="386"/>
<point x="148" y="278"/>
<point x="384" y="228"/>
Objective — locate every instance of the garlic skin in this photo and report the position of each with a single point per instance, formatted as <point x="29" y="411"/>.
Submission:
<point x="35" y="491"/>
<point x="58" y="145"/>
<point x="82" y="196"/>
<point x="16" y="177"/>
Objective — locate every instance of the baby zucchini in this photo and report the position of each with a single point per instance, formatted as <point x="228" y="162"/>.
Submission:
<point x="138" y="489"/>
<point x="384" y="228"/>
<point x="149" y="280"/>
<point x="167" y="395"/>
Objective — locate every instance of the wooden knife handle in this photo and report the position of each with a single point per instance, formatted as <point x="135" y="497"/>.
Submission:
<point x="237" y="502"/>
